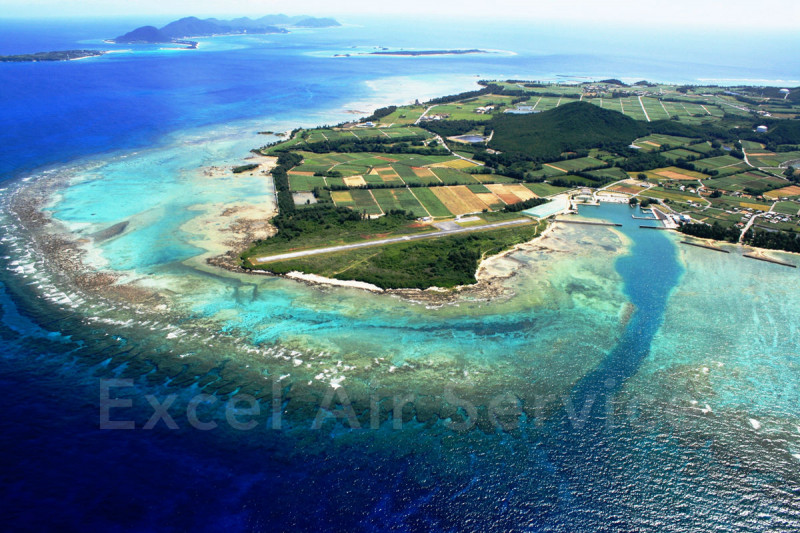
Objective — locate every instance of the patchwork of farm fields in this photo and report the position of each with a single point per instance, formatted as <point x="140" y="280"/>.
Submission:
<point x="435" y="186"/>
<point x="438" y="202"/>
<point x="655" y="109"/>
<point x="670" y="173"/>
<point x="754" y="181"/>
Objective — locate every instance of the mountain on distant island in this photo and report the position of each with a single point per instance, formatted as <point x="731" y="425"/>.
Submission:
<point x="195" y="27"/>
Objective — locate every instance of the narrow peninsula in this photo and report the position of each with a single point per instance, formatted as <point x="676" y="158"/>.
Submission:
<point x="63" y="55"/>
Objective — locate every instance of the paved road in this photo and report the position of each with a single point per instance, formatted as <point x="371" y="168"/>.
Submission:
<point x="417" y="236"/>
<point x="753" y="219"/>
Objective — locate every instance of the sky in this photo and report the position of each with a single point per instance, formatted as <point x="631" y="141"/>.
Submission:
<point x="776" y="14"/>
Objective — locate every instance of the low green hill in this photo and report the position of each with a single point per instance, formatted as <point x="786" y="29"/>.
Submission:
<point x="570" y="127"/>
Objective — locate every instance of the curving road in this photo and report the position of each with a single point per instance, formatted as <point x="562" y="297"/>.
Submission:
<point x="391" y="240"/>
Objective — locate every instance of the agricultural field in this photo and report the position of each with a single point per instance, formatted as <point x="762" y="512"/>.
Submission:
<point x="365" y="202"/>
<point x="304" y="182"/>
<point x="655" y="111"/>
<point x="565" y="89"/>
<point x="343" y="199"/>
<point x="784" y="192"/>
<point x="573" y="165"/>
<point x="438" y="202"/>
<point x="680" y="153"/>
<point x="614" y="173"/>
<point x="548" y="170"/>
<point x="671" y="194"/>
<point x="431" y="202"/>
<point x="754" y="181"/>
<point x="359" y="133"/>
<point x="403" y="115"/>
<point x="545" y="189"/>
<point x="545" y="103"/>
<point x="701" y="148"/>
<point x="686" y="111"/>
<point x="670" y="173"/>
<point x="712" y="215"/>
<point x="728" y="202"/>
<point x="452" y="175"/>
<point x="787" y="208"/>
<point x="658" y="141"/>
<point x="493" y="178"/>
<point x="723" y="164"/>
<point x="752" y="146"/>
<point x="459" y="200"/>
<point x="401" y="199"/>
<point x="770" y="159"/>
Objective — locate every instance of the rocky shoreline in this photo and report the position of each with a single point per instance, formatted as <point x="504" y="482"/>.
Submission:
<point x="65" y="257"/>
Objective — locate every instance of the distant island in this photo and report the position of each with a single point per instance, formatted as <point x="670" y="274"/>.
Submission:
<point x="195" y="27"/>
<point x="64" y="55"/>
<point x="415" y="53"/>
<point x="426" y="52"/>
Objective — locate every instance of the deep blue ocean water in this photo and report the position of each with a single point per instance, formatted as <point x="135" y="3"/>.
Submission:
<point x="53" y="112"/>
<point x="59" y="471"/>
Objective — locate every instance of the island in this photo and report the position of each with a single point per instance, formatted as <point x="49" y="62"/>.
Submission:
<point x="63" y="55"/>
<point x="414" y="53"/>
<point x="417" y="196"/>
<point x="196" y="27"/>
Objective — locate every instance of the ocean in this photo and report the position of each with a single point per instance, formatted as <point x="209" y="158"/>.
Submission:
<point x="622" y="382"/>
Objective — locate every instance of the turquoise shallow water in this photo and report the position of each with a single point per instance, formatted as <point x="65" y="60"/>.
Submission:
<point x="588" y="369"/>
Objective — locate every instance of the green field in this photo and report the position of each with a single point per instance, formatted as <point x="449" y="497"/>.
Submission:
<point x="493" y="178"/>
<point x="451" y="175"/>
<point x="661" y="141"/>
<point x="719" y="163"/>
<point x="614" y="173"/>
<point x="429" y="200"/>
<point x="701" y="148"/>
<point x="572" y="165"/>
<point x="752" y="146"/>
<point x="680" y="153"/>
<point x="756" y="181"/>
<point x="655" y="111"/>
<point x="401" y="199"/>
<point x="403" y="115"/>
<point x="545" y="189"/>
<point x="674" y="195"/>
<point x="787" y="208"/>
<point x="727" y="202"/>
<point x="773" y="160"/>
<point x="655" y="175"/>
<point x="364" y="202"/>
<point x="305" y="183"/>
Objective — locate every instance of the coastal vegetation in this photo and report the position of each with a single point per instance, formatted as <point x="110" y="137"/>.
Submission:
<point x="445" y="262"/>
<point x="328" y="225"/>
<point x="63" y="55"/>
<point x="245" y="168"/>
